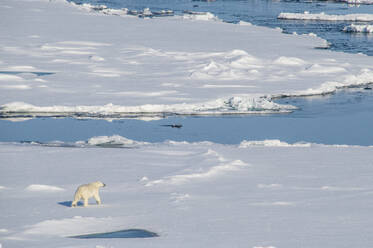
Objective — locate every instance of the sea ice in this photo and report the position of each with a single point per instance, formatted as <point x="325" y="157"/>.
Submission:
<point x="189" y="71"/>
<point x="288" y="195"/>
<point x="326" y="17"/>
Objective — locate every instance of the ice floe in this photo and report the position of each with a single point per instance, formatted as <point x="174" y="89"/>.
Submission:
<point x="200" y="16"/>
<point x="113" y="141"/>
<point x="354" y="28"/>
<point x="326" y="17"/>
<point x="357" y="1"/>
<point x="140" y="76"/>
<point x="232" y="105"/>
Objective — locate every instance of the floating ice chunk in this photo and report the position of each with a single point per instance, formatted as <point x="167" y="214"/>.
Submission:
<point x="326" y="17"/>
<point x="43" y="188"/>
<point x="3" y="230"/>
<point x="357" y="1"/>
<point x="147" y="12"/>
<point x="358" y="28"/>
<point x="200" y="16"/>
<point x="274" y="143"/>
<point x="114" y="140"/>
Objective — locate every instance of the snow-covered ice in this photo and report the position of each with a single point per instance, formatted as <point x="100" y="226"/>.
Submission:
<point x="59" y="58"/>
<point x="136" y="67"/>
<point x="282" y="196"/>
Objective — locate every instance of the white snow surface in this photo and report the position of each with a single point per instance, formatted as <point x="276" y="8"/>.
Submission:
<point x="136" y="67"/>
<point x="327" y="17"/>
<point x="354" y="28"/>
<point x="43" y="188"/>
<point x="191" y="194"/>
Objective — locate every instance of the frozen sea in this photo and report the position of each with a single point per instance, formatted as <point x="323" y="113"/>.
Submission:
<point x="265" y="13"/>
<point x="341" y="118"/>
<point x="261" y="187"/>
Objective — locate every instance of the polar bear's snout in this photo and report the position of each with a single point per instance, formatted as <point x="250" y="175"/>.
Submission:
<point x="87" y="191"/>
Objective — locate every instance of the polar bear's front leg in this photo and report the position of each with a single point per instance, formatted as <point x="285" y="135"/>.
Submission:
<point x="85" y="202"/>
<point x="76" y="199"/>
<point x="97" y="198"/>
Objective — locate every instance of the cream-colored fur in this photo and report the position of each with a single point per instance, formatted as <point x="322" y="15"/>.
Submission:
<point x="87" y="191"/>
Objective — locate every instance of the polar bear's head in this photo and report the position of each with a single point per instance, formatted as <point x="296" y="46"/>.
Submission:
<point x="99" y="184"/>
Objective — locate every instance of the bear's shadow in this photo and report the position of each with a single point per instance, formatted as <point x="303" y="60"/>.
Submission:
<point x="68" y="203"/>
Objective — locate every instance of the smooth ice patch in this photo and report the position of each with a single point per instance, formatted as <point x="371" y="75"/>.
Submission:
<point x="43" y="188"/>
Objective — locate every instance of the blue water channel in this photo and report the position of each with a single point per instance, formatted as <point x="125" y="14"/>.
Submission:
<point x="342" y="118"/>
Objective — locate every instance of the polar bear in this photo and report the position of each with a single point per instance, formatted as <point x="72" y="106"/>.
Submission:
<point x="87" y="191"/>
